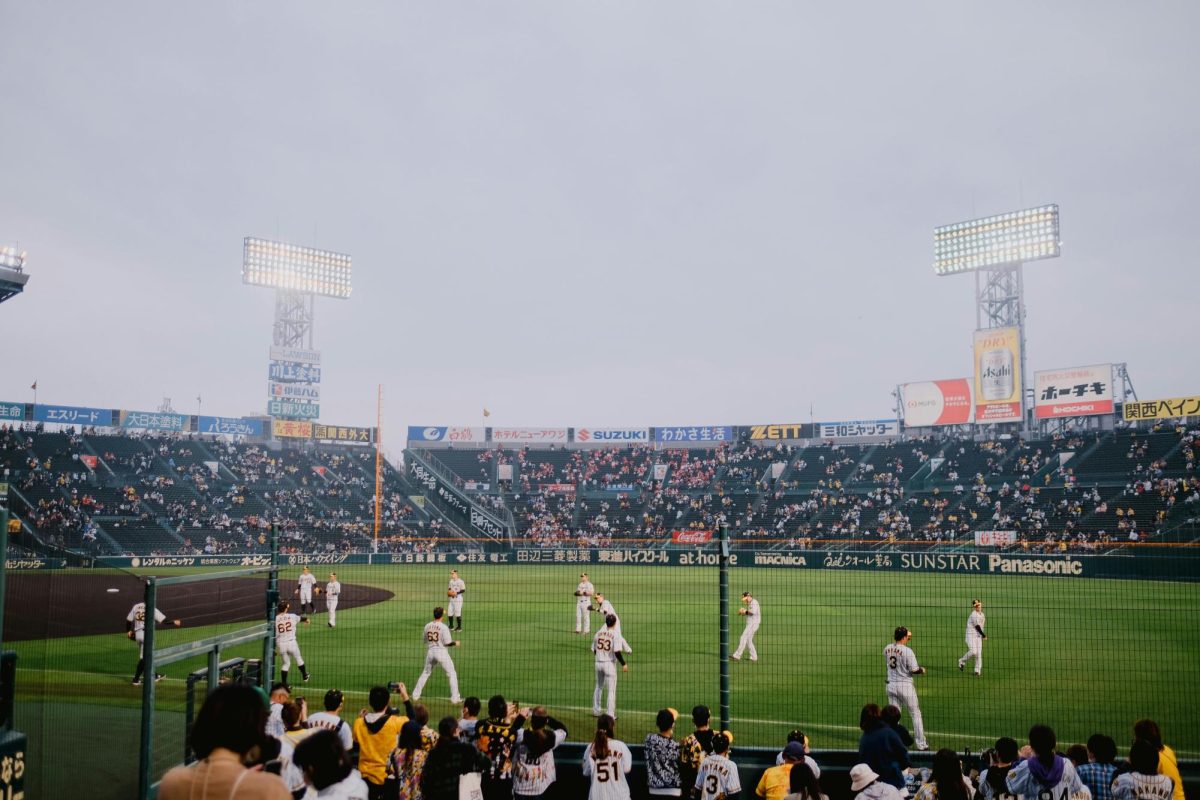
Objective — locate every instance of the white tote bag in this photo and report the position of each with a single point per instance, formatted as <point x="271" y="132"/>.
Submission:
<point x="470" y="786"/>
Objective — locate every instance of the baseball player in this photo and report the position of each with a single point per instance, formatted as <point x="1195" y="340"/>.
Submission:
<point x="135" y="629"/>
<point x="753" y="617"/>
<point x="901" y="666"/>
<point x="437" y="638"/>
<point x="333" y="590"/>
<point x="286" y="624"/>
<point x="608" y="645"/>
<point x="718" y="776"/>
<point x="606" y="610"/>
<point x="304" y="590"/>
<point x="975" y="637"/>
<point x="454" y="591"/>
<point x="583" y="604"/>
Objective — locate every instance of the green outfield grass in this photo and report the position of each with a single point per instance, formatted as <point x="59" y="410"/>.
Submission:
<point x="1080" y="655"/>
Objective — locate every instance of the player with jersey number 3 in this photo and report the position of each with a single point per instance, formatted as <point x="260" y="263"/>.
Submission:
<point x="901" y="667"/>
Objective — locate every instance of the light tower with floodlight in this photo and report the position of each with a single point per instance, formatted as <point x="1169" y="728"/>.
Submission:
<point x="298" y="275"/>
<point x="12" y="272"/>
<point x="995" y="249"/>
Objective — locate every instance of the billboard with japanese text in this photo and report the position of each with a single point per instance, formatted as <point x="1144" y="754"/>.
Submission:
<point x="229" y="426"/>
<point x="290" y="408"/>
<point x="12" y="412"/>
<point x="1162" y="409"/>
<point x="445" y="433"/>
<point x="858" y="429"/>
<point x="530" y="435"/>
<point x="786" y="432"/>
<point x="612" y="435"/>
<point x="342" y="433"/>
<point x="1073" y="392"/>
<point x="930" y="403"/>
<point x="293" y="371"/>
<point x="998" y="375"/>
<point x="707" y="434"/>
<point x="153" y="421"/>
<point x="73" y="415"/>
<point x="291" y="429"/>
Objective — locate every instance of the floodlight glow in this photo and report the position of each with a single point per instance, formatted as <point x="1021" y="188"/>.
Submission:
<point x="299" y="269"/>
<point x="11" y="258"/>
<point x="1011" y="238"/>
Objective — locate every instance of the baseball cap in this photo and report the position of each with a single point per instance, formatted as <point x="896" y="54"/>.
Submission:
<point x="900" y="633"/>
<point x="794" y="750"/>
<point x="861" y="776"/>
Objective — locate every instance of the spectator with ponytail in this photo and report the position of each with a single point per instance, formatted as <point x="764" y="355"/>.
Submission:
<point x="1168" y="763"/>
<point x="607" y="761"/>
<point x="327" y="768"/>
<point x="946" y="780"/>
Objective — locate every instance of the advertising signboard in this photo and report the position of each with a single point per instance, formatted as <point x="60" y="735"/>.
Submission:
<point x="858" y="429"/>
<point x="710" y="434"/>
<point x="930" y="403"/>
<point x="445" y="433"/>
<point x="1073" y="392"/>
<point x="998" y="375"/>
<point x="1162" y="409"/>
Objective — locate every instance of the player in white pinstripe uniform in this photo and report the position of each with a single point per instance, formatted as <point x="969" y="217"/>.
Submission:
<point x="902" y="665"/>
<point x="286" y="624"/>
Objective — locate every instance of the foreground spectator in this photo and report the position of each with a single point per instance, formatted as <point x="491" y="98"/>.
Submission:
<point x="1168" y="764"/>
<point x="327" y="768"/>
<point x="607" y="761"/>
<point x="1004" y="757"/>
<point x="891" y="717"/>
<point x="470" y="718"/>
<point x="1047" y="774"/>
<point x="533" y="756"/>
<point x="408" y="760"/>
<point x="1145" y="780"/>
<point x="496" y="736"/>
<point x="866" y="785"/>
<point x="376" y="733"/>
<point x="803" y="785"/>
<point x="695" y="746"/>
<point x="280" y="694"/>
<point x="230" y="728"/>
<point x="1101" y="768"/>
<point x="776" y="781"/>
<point x="330" y="719"/>
<point x="718" y="776"/>
<point x="801" y="737"/>
<point x="447" y="762"/>
<point x="662" y="757"/>
<point x="880" y="747"/>
<point x="946" y="779"/>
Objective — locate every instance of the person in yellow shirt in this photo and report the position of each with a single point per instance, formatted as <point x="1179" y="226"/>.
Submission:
<point x="776" y="781"/>
<point x="1168" y="763"/>
<point x="376" y="732"/>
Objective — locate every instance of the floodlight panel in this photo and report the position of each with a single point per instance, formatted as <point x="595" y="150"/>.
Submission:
<point x="11" y="258"/>
<point x="279" y="265"/>
<point x="1026" y="235"/>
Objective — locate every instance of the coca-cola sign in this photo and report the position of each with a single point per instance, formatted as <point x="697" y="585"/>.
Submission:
<point x="691" y="537"/>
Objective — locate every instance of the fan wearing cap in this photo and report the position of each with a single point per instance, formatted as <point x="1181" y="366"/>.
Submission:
<point x="753" y="616"/>
<point x="902" y="665"/>
<point x="802" y="738"/>
<point x="776" y="781"/>
<point x="866" y="784"/>
<point x="718" y="777"/>
<point x="330" y="718"/>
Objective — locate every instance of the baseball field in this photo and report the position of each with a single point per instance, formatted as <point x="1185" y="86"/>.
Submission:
<point x="1081" y="655"/>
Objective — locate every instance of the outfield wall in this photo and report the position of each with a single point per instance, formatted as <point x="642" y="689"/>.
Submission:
<point x="1169" y="565"/>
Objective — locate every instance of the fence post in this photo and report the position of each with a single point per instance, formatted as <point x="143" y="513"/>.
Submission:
<point x="148" y="684"/>
<point x="723" y="646"/>
<point x="267" y="673"/>
<point x="3" y="562"/>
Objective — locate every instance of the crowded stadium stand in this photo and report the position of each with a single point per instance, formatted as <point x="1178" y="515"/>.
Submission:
<point x="100" y="493"/>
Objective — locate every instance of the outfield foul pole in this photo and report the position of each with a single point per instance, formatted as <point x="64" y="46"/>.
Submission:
<point x="723" y="645"/>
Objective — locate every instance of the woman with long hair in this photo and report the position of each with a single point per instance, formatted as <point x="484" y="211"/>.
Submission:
<point x="408" y="760"/>
<point x="803" y="785"/>
<point x="880" y="747"/>
<point x="607" y="761"/>
<point x="946" y="779"/>
<point x="327" y="767"/>
<point x="533" y="756"/>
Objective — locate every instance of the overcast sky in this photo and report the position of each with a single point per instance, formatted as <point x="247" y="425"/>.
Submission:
<point x="580" y="213"/>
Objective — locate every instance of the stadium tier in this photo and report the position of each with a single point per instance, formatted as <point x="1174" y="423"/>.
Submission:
<point x="154" y="495"/>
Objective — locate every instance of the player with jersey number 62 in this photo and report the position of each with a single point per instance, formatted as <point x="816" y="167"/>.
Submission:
<point x="286" y="624"/>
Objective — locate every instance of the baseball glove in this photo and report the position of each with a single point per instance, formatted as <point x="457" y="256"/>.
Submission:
<point x="450" y="593"/>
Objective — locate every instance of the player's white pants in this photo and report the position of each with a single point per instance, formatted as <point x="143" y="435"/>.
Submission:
<point x="305" y="596"/>
<point x="434" y="656"/>
<point x="606" y="679"/>
<point x="904" y="695"/>
<point x="139" y="637"/>
<point x="331" y="604"/>
<point x="287" y="652"/>
<point x="583" y="617"/>
<point x="975" y="651"/>
<point x="455" y="606"/>
<point x="747" y="642"/>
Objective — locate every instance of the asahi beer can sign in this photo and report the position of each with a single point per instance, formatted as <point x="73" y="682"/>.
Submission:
<point x="998" y="375"/>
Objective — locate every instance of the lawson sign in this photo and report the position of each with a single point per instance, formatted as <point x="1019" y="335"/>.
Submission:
<point x="611" y="435"/>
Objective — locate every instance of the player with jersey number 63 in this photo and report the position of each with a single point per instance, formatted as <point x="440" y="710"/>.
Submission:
<point x="437" y="638"/>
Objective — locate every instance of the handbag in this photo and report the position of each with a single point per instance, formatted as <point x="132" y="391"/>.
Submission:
<point x="470" y="786"/>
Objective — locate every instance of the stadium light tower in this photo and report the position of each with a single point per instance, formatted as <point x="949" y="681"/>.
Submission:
<point x="297" y="274"/>
<point x="12" y="272"/>
<point x="995" y="249"/>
